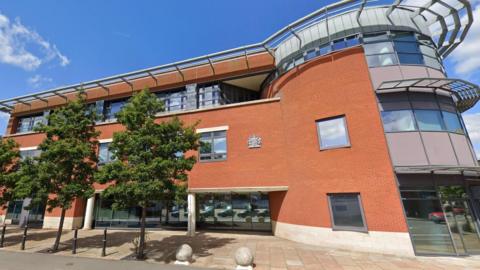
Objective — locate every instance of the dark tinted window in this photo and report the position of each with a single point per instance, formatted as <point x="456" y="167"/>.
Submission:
<point x="347" y="213"/>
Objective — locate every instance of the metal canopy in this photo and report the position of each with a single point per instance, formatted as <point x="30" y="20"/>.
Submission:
<point x="450" y="170"/>
<point x="449" y="20"/>
<point x="465" y="94"/>
<point x="433" y="11"/>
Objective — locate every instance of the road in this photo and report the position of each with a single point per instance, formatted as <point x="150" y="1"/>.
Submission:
<point x="21" y="261"/>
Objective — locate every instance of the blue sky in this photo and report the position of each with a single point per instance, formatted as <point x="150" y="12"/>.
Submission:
<point x="45" y="44"/>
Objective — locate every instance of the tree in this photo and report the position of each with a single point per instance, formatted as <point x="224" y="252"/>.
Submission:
<point x="9" y="157"/>
<point x="65" y="169"/>
<point x="150" y="162"/>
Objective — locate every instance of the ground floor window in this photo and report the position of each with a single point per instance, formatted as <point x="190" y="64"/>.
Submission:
<point x="234" y="211"/>
<point x="441" y="216"/>
<point x="159" y="214"/>
<point x="346" y="212"/>
<point x="35" y="215"/>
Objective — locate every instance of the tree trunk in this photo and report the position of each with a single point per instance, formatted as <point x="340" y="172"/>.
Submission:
<point x="59" y="232"/>
<point x="141" y="245"/>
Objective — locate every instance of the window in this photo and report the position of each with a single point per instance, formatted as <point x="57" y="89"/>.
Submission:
<point x="28" y="123"/>
<point x="332" y="133"/>
<point x="378" y="48"/>
<point x="381" y="60"/>
<point x="104" y="154"/>
<point x="346" y="212"/>
<point x="213" y="145"/>
<point x="209" y="96"/>
<point x="112" y="108"/>
<point x="429" y="120"/>
<point x="24" y="154"/>
<point x="398" y="121"/>
<point x="452" y="122"/>
<point x="174" y="101"/>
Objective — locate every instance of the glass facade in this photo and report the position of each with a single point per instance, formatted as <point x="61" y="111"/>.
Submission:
<point x="160" y="214"/>
<point x="175" y="100"/>
<point x="404" y="48"/>
<point x="246" y="211"/>
<point x="441" y="218"/>
<point x="423" y="120"/>
<point x="35" y="216"/>
<point x="111" y="108"/>
<point x="234" y="211"/>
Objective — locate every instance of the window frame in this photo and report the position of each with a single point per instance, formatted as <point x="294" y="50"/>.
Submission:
<point x="109" y="153"/>
<point x="347" y="134"/>
<point x="212" y="152"/>
<point x="363" y="229"/>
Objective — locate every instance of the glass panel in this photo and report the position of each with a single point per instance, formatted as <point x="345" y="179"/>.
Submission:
<point x="428" y="51"/>
<point x="103" y="153"/>
<point x="352" y="41"/>
<point x="325" y="49"/>
<point x="381" y="60"/>
<point x="206" y="212"/>
<point x="398" y="121"/>
<point x="408" y="58"/>
<point x="429" y="120"/>
<point x="223" y="211"/>
<point x="339" y="44"/>
<point x="242" y="211"/>
<point x="378" y="48"/>
<point x="36" y="121"/>
<point x="310" y="54"/>
<point x="346" y="212"/>
<point x="406" y="47"/>
<point x="332" y="133"/>
<point x="404" y="37"/>
<point x="428" y="229"/>
<point x="452" y="122"/>
<point x="375" y="37"/>
<point x="432" y="62"/>
<point x="261" y="212"/>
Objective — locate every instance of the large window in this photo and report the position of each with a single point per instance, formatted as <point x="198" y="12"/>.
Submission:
<point x="174" y="100"/>
<point x="398" y="121"/>
<point x="104" y="154"/>
<point x="28" y="123"/>
<point x="112" y="108"/>
<point x="429" y="120"/>
<point x="346" y="212"/>
<point x="332" y="133"/>
<point x="426" y="120"/>
<point x="400" y="48"/>
<point x="213" y="145"/>
<point x="24" y="154"/>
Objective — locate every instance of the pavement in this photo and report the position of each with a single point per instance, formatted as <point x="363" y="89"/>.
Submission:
<point x="211" y="250"/>
<point x="21" y="261"/>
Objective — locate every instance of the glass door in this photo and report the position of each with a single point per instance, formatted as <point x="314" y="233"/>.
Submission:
<point x="460" y="219"/>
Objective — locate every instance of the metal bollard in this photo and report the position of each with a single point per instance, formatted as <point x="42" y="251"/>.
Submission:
<point x="75" y="237"/>
<point x="104" y="249"/>
<point x="24" y="237"/>
<point x="2" y="238"/>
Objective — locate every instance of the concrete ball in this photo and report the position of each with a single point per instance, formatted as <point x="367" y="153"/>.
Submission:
<point x="184" y="253"/>
<point x="244" y="257"/>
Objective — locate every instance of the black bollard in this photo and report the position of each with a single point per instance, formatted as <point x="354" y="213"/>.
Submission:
<point x="24" y="238"/>
<point x="2" y="238"/>
<point x="75" y="237"/>
<point x="104" y="249"/>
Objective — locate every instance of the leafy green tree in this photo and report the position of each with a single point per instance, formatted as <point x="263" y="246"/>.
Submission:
<point x="9" y="159"/>
<point x="150" y="162"/>
<point x="65" y="169"/>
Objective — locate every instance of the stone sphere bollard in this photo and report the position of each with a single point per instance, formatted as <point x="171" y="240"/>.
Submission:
<point x="244" y="259"/>
<point x="184" y="254"/>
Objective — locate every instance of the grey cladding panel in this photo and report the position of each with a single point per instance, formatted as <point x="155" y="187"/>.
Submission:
<point x="406" y="149"/>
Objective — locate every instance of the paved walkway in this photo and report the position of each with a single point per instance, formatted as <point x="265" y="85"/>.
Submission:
<point x="216" y="250"/>
<point x="22" y="261"/>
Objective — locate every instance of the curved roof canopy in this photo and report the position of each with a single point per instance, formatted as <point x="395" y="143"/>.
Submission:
<point x="447" y="20"/>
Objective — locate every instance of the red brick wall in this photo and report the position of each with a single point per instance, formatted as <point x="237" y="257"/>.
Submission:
<point x="334" y="85"/>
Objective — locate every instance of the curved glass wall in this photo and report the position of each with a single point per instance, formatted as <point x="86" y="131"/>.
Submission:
<point x="381" y="49"/>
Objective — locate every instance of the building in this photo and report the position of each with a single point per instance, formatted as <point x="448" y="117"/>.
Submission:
<point x="341" y="129"/>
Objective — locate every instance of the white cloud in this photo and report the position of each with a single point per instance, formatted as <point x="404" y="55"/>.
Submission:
<point x="25" y="48"/>
<point x="466" y="57"/>
<point x="472" y="122"/>
<point x="38" y="80"/>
